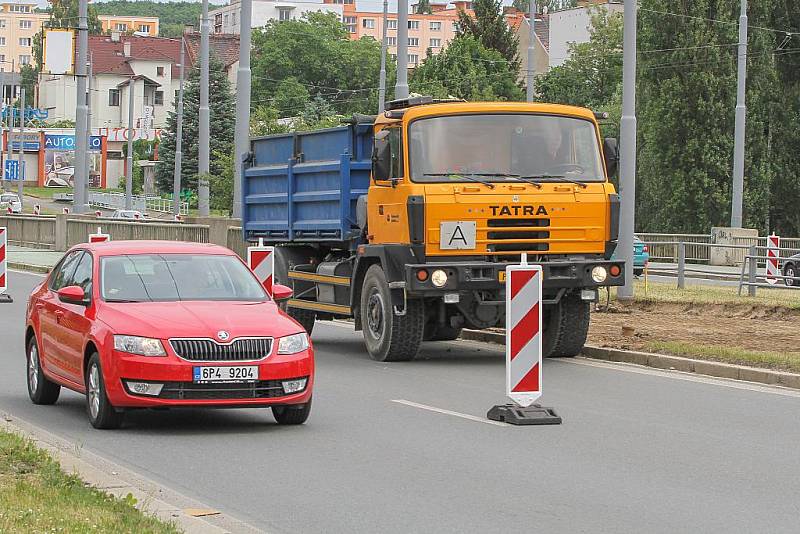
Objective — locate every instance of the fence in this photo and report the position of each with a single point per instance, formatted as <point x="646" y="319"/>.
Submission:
<point x="79" y="229"/>
<point x="34" y="232"/>
<point x="698" y="249"/>
<point x="116" y="201"/>
<point x="236" y="241"/>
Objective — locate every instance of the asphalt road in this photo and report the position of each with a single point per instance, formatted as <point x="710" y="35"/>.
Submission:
<point x="639" y="450"/>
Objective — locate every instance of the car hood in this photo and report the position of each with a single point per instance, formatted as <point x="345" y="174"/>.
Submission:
<point x="197" y="319"/>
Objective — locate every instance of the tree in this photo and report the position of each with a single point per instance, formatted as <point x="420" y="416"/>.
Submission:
<point x="593" y="72"/>
<point x="318" y="53"/>
<point x="222" y="125"/>
<point x="551" y="5"/>
<point x="466" y="69"/>
<point x="489" y="27"/>
<point x="30" y="77"/>
<point x="63" y="14"/>
<point x="423" y="7"/>
<point x="291" y="97"/>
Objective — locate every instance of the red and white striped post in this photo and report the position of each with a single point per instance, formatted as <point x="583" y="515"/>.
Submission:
<point x="98" y="213"/>
<point x="773" y="255"/>
<point x="99" y="237"/>
<point x="66" y="211"/>
<point x="524" y="348"/>
<point x="10" y="210"/>
<point x="4" y="297"/>
<point x="261" y="260"/>
<point x="37" y="209"/>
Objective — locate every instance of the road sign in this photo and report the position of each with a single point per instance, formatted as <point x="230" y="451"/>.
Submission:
<point x="773" y="255"/>
<point x="99" y="237"/>
<point x="261" y="260"/>
<point x="523" y="333"/>
<point x="11" y="170"/>
<point x="3" y="272"/>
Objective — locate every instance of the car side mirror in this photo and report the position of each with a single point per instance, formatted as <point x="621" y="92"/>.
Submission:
<point x="73" y="295"/>
<point x="280" y="292"/>
<point x="382" y="157"/>
<point x="611" y="155"/>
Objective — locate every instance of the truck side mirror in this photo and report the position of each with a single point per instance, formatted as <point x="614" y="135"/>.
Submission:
<point x="611" y="155"/>
<point x="382" y="157"/>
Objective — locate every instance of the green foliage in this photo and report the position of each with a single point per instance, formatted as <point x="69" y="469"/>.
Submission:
<point x="423" y="7"/>
<point x="291" y="97"/>
<point x="30" y="78"/>
<point x="172" y="16"/>
<point x="316" y="114"/>
<point x="222" y="126"/>
<point x="61" y="123"/>
<point x="552" y="5"/>
<point x="466" y="69"/>
<point x="319" y="55"/>
<point x="489" y="27"/>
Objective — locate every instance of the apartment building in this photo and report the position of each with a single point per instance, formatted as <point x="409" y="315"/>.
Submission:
<point x="226" y="18"/>
<point x="146" y="26"/>
<point x="18" y="24"/>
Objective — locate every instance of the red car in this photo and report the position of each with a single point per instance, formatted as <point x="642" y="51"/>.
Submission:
<point x="151" y="324"/>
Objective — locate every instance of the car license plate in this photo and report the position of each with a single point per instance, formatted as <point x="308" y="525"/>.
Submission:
<point x="501" y="277"/>
<point x="238" y="373"/>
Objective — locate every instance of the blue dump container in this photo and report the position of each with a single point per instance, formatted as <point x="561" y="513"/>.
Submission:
<point x="304" y="186"/>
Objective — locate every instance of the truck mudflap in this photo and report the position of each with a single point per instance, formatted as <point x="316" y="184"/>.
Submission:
<point x="488" y="276"/>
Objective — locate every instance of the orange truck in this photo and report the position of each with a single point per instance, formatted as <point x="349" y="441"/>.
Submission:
<point x="406" y="221"/>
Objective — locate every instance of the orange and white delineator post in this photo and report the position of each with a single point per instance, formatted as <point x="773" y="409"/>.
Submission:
<point x="773" y="255"/>
<point x="261" y="260"/>
<point x="99" y="237"/>
<point x="4" y="297"/>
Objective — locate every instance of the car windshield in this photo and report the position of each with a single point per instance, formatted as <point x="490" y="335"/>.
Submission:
<point x="9" y="198"/>
<point x="504" y="147"/>
<point x="177" y="277"/>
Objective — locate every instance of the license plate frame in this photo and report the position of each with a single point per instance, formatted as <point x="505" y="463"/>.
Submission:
<point x="224" y="374"/>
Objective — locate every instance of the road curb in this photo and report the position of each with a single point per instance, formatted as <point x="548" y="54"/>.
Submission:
<point x="38" y="269"/>
<point x="664" y="361"/>
<point x="152" y="498"/>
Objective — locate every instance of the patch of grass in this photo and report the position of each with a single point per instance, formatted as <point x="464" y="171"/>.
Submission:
<point x="784" y="361"/>
<point x="706" y="294"/>
<point x="37" y="496"/>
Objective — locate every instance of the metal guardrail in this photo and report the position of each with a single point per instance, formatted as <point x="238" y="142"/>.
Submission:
<point x="236" y="241"/>
<point x="752" y="283"/>
<point x="664" y="247"/>
<point x="116" y="201"/>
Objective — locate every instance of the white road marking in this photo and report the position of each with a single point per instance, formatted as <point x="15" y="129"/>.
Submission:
<point x="449" y="412"/>
<point x="682" y="375"/>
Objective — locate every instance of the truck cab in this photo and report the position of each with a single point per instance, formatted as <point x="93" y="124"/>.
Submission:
<point x="456" y="192"/>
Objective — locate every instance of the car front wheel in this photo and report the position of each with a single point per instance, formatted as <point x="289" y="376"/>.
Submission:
<point x="40" y="389"/>
<point x="791" y="276"/>
<point x="292" y="414"/>
<point x="101" y="412"/>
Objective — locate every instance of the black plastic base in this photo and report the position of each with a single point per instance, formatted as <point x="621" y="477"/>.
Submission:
<point x="5" y="298"/>
<point x="516" y="415"/>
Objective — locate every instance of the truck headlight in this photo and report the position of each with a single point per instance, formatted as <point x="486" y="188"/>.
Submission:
<point x="599" y="274"/>
<point x="293" y="344"/>
<point x="141" y="346"/>
<point x="439" y="278"/>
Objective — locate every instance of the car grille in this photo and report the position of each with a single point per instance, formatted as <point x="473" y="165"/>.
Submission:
<point x="262" y="389"/>
<point x="208" y="350"/>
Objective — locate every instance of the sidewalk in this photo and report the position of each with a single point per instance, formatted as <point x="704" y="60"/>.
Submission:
<point x="41" y="259"/>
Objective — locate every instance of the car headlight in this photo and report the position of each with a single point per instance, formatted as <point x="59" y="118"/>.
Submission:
<point x="599" y="274"/>
<point x="142" y="346"/>
<point x="439" y="278"/>
<point x="293" y="344"/>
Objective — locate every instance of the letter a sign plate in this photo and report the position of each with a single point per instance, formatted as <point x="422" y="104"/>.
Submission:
<point x="523" y="333"/>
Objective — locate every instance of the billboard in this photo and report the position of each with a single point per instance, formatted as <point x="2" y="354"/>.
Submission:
<point x="59" y="51"/>
<point x="59" y="160"/>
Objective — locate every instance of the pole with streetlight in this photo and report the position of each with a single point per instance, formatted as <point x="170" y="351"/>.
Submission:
<point x="531" y="50"/>
<point x="80" y="174"/>
<point x="401" y="86"/>
<point x="204" y="116"/>
<point x="739" y="128"/>
<point x="129" y="162"/>
<point x="176" y="177"/>
<point x="243" y="81"/>
<point x="384" y="49"/>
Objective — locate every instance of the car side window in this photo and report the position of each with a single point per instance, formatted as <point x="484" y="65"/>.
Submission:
<point x="62" y="274"/>
<point x="83" y="274"/>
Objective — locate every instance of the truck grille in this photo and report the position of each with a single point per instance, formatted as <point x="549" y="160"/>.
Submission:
<point x="263" y="389"/>
<point x="516" y="223"/>
<point x="208" y="350"/>
<point x="504" y="232"/>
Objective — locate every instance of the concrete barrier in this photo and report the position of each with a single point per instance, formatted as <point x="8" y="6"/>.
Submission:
<point x="30" y="231"/>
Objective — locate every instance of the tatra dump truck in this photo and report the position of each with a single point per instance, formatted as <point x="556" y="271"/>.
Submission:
<point x="406" y="221"/>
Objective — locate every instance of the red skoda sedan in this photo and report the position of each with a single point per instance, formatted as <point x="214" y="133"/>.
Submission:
<point x="149" y="324"/>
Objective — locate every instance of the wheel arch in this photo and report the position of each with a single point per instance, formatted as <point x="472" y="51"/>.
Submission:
<point x="91" y="348"/>
<point x="30" y="333"/>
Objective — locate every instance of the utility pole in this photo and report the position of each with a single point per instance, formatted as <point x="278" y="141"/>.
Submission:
<point x="401" y="86"/>
<point x="531" y="50"/>
<point x="242" y="133"/>
<point x="203" y="164"/>
<point x="741" y="114"/>
<point x="384" y="50"/>
<point x="88" y="133"/>
<point x="176" y="179"/>
<point x="627" y="176"/>
<point x="129" y="162"/>
<point x="20" y="173"/>
<point x="80" y="176"/>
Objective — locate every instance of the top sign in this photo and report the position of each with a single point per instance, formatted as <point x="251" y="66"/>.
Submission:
<point x="59" y="51"/>
<point x="67" y="142"/>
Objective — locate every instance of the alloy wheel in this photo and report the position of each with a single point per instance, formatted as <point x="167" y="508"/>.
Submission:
<point x="33" y="367"/>
<point x="94" y="390"/>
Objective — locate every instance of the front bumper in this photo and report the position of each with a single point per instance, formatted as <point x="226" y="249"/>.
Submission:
<point x="486" y="276"/>
<point x="179" y="389"/>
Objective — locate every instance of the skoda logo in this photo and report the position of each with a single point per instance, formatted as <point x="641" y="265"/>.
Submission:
<point x="223" y="335"/>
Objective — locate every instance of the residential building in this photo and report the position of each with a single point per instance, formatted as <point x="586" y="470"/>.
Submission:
<point x="226" y="19"/>
<point x="224" y="47"/>
<point x="521" y="23"/>
<point x="572" y="26"/>
<point x="146" y="26"/>
<point x="18" y="24"/>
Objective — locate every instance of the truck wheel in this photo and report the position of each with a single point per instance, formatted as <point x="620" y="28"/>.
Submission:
<point x="566" y="326"/>
<point x="441" y="333"/>
<point x="389" y="337"/>
<point x="305" y="317"/>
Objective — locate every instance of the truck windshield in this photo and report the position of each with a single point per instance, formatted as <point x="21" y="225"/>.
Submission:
<point x="504" y="147"/>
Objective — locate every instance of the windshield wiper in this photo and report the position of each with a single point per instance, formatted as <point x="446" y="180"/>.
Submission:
<point x="559" y="177"/>
<point x="469" y="176"/>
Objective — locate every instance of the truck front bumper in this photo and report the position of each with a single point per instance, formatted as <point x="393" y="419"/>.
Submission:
<point x="490" y="276"/>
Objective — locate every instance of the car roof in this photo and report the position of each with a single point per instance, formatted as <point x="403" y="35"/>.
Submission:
<point x="119" y="248"/>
